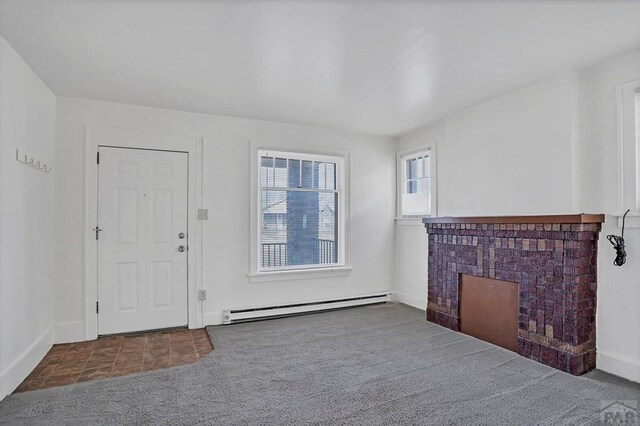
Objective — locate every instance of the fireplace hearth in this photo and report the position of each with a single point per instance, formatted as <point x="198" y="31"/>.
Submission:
<point x="553" y="261"/>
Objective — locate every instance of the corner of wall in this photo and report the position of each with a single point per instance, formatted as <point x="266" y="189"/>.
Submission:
<point x="618" y="365"/>
<point x="410" y="300"/>
<point x="22" y="366"/>
<point x="68" y="332"/>
<point x="576" y="152"/>
<point x="212" y="318"/>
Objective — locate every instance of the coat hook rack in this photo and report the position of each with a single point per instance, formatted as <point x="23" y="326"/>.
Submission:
<point x="29" y="161"/>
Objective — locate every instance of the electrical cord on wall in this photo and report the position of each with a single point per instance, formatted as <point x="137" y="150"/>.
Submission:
<point x="618" y="244"/>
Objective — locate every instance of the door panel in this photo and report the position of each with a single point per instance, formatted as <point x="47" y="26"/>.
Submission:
<point x="127" y="287"/>
<point x="127" y="215"/>
<point x="142" y="209"/>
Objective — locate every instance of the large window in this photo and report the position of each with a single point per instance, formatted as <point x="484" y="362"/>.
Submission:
<point x="415" y="183"/>
<point x="300" y="212"/>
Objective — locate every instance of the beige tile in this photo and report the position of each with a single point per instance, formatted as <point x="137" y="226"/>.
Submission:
<point x="95" y="373"/>
<point x="61" y="380"/>
<point x="182" y="359"/>
<point x="134" y="343"/>
<point x="30" y="384"/>
<point x="155" y="364"/>
<point x="51" y="359"/>
<point x="109" y="342"/>
<point x="59" y="349"/>
<point x="124" y="369"/>
<point x="117" y="356"/>
<point x="158" y="338"/>
<point x="82" y="346"/>
<point x="41" y="371"/>
<point x="96" y="363"/>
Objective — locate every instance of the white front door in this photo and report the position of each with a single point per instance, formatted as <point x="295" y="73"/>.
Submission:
<point x="142" y="242"/>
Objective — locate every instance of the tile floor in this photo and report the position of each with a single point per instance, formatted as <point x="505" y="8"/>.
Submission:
<point x="117" y="356"/>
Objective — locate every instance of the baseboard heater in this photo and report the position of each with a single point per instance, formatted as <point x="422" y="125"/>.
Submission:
<point x="233" y="316"/>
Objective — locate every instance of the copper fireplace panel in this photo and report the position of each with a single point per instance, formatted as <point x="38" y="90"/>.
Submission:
<point x="489" y="310"/>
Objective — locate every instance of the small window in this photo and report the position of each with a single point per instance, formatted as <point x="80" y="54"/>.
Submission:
<point x="637" y="125"/>
<point x="629" y="134"/>
<point x="300" y="211"/>
<point x="415" y="177"/>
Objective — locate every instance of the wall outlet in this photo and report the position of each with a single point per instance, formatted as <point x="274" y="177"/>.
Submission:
<point x="202" y="294"/>
<point x="203" y="214"/>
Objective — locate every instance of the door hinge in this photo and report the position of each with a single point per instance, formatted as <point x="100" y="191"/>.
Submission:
<point x="97" y="229"/>
<point x="98" y="157"/>
<point x="97" y="307"/>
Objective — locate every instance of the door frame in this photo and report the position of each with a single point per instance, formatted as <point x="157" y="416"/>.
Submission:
<point x="97" y="136"/>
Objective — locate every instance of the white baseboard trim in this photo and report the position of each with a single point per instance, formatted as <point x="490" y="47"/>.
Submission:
<point x="212" y="318"/>
<point x="407" y="299"/>
<point x="21" y="367"/>
<point x="67" y="332"/>
<point x="619" y="365"/>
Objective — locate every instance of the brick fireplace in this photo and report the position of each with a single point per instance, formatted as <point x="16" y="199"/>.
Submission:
<point x="552" y="259"/>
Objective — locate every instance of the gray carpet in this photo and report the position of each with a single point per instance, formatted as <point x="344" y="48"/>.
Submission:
<point x="377" y="365"/>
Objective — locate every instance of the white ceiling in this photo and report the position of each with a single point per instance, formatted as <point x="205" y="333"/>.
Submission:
<point x="381" y="67"/>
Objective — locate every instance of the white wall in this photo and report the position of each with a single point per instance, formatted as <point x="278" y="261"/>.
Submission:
<point x="411" y="237"/>
<point x="519" y="146"/>
<point x="226" y="193"/>
<point x="509" y="155"/>
<point x="27" y="120"/>
<point x="618" y="312"/>
<point x="550" y="148"/>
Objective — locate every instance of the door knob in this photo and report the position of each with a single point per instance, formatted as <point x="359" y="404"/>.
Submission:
<point x="181" y="249"/>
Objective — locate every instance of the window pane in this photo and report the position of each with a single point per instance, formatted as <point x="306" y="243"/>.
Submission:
<point x="422" y="185"/>
<point x="415" y="199"/>
<point x="411" y="187"/>
<point x="331" y="176"/>
<point x="307" y="174"/>
<point x="420" y="167"/>
<point x="266" y="171"/>
<point x="411" y="166"/>
<point x="294" y="174"/>
<point x="298" y="228"/>
<point x="327" y="229"/>
<point x="266" y="162"/>
<point x="638" y="148"/>
<point x="280" y="173"/>
<point x="319" y="171"/>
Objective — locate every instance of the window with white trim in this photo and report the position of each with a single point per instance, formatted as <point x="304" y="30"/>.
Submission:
<point x="415" y="184"/>
<point x="637" y="125"/>
<point x="629" y="134"/>
<point x="300" y="211"/>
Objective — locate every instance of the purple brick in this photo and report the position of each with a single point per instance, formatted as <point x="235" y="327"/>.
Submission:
<point x="556" y="288"/>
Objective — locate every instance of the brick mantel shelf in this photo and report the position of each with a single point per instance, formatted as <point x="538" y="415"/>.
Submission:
<point x="553" y="259"/>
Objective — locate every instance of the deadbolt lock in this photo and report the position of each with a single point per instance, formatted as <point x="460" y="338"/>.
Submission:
<point x="181" y="235"/>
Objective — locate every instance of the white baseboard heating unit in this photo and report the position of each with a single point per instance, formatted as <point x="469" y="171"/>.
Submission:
<point x="232" y="316"/>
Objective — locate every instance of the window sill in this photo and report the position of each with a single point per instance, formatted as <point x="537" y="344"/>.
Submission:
<point x="410" y="220"/>
<point x="632" y="220"/>
<point x="299" y="274"/>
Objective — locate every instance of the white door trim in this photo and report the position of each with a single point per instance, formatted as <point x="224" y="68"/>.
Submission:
<point x="96" y="136"/>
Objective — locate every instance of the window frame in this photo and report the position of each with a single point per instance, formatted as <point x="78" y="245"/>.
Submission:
<point x="341" y="158"/>
<point x="401" y="158"/>
<point x="629" y="157"/>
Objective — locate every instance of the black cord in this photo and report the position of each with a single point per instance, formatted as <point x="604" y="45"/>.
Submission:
<point x="618" y="245"/>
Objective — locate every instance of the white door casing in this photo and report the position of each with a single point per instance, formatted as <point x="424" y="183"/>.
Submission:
<point x="97" y="136"/>
<point x="142" y="214"/>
